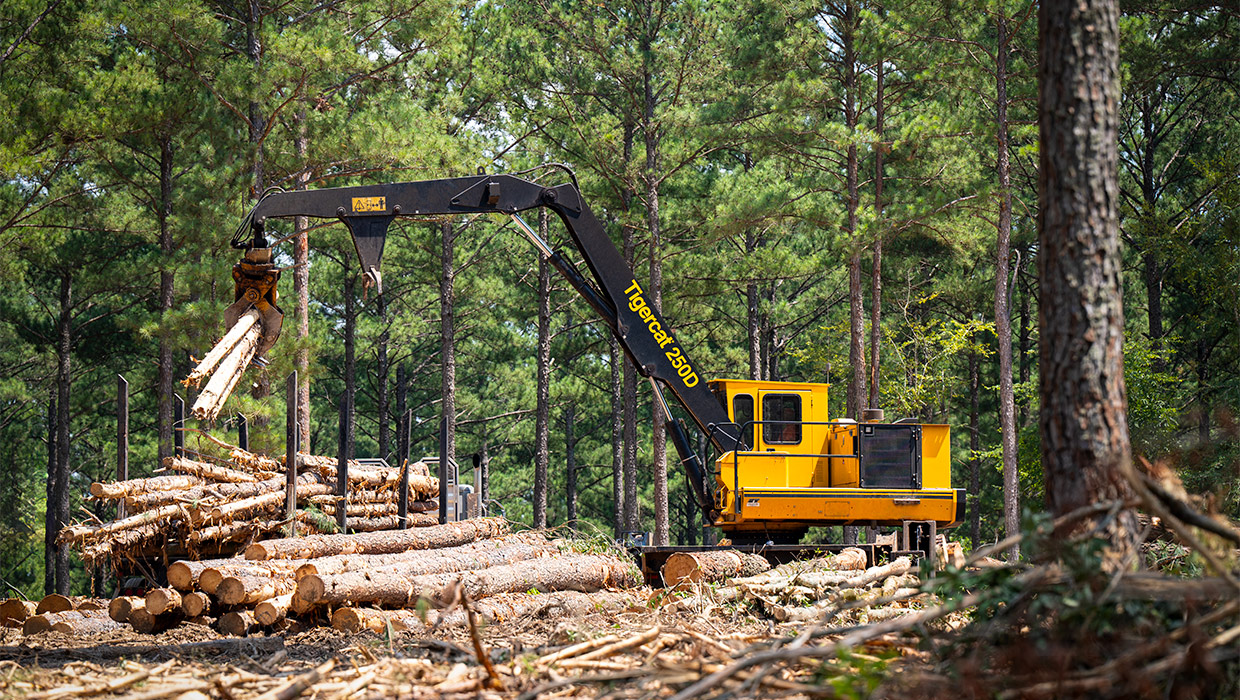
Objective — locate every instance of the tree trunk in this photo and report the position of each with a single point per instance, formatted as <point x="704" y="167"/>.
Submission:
<point x="570" y="465"/>
<point x="1085" y="445"/>
<point x="1003" y="321"/>
<point x="975" y="463"/>
<point x="381" y="387"/>
<point x="350" y="362"/>
<point x="662" y="522"/>
<point x="876" y="268"/>
<point x="631" y="505"/>
<point x="301" y="289"/>
<point x="856" y="303"/>
<point x="50" y="531"/>
<point x="1026" y="342"/>
<point x="59" y="506"/>
<point x="447" y="341"/>
<point x="164" y="379"/>
<point x="257" y="121"/>
<point x="542" y="411"/>
<point x="616" y="360"/>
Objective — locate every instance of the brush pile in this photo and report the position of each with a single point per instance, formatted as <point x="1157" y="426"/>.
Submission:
<point x="218" y="506"/>
<point x="837" y="587"/>
<point x="400" y="579"/>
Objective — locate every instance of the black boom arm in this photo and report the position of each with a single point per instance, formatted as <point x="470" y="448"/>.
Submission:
<point x="615" y="293"/>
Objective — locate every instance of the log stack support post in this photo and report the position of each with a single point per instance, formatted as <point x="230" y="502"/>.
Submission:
<point x="443" y="469"/>
<point x="342" y="465"/>
<point x="178" y="425"/>
<point x="291" y="449"/>
<point x="122" y="438"/>
<point x="243" y="432"/>
<point x="403" y="426"/>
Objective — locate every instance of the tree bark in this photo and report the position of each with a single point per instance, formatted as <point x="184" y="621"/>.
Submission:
<point x="447" y="342"/>
<point x="58" y="508"/>
<point x="350" y="361"/>
<point x="437" y="537"/>
<point x="876" y="267"/>
<point x="856" y="302"/>
<point x="975" y="463"/>
<point x="615" y="363"/>
<point x="164" y="379"/>
<point x="570" y="465"/>
<point x="654" y="179"/>
<point x="301" y="288"/>
<point x="1003" y="321"/>
<point x="631" y="510"/>
<point x="1085" y="444"/>
<point x="50" y="531"/>
<point x="542" y="411"/>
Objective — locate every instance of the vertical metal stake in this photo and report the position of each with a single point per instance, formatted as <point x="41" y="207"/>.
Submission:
<point x="342" y="466"/>
<point x="443" y="469"/>
<point x="243" y="433"/>
<point x="178" y="425"/>
<point x="122" y="437"/>
<point x="402" y="460"/>
<point x="292" y="445"/>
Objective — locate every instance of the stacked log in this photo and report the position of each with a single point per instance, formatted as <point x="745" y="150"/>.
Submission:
<point x="838" y="588"/>
<point x="386" y="579"/>
<point x="226" y="504"/>
<point x="76" y="616"/>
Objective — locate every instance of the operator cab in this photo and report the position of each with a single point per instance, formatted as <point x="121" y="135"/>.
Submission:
<point x="799" y="468"/>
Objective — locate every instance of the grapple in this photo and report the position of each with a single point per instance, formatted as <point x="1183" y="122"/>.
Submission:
<point x="255" y="278"/>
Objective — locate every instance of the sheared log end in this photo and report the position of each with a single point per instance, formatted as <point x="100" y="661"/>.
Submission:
<point x="53" y="603"/>
<point x="310" y="589"/>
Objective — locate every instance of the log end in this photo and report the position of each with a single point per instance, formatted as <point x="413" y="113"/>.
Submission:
<point x="53" y="603"/>
<point x="237" y="623"/>
<point x="195" y="604"/>
<point x="311" y="589"/>
<point x="181" y="576"/>
<point x="209" y="580"/>
<point x="256" y="552"/>
<point x="348" y="620"/>
<point x="15" y="611"/>
<point x="37" y="624"/>
<point x="121" y="606"/>
<point x="231" y="591"/>
<point x="162" y="600"/>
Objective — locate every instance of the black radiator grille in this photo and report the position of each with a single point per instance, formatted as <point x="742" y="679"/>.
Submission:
<point x="890" y="456"/>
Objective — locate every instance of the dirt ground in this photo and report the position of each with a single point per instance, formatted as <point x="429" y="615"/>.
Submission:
<point x="666" y="653"/>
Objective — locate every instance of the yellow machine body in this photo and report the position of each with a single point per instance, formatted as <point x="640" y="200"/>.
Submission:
<point x="803" y="469"/>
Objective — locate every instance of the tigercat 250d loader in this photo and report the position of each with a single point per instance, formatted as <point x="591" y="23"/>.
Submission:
<point x="782" y="467"/>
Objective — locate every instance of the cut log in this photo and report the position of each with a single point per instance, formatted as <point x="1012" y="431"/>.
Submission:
<point x="144" y="501"/>
<point x="15" y="611"/>
<point x="221" y="349"/>
<point x="78" y="533"/>
<point x="272" y="610"/>
<point x="353" y="575"/>
<point x="143" y="622"/>
<point x="210" y="579"/>
<point x="162" y="600"/>
<point x="237" y="623"/>
<point x="132" y="487"/>
<point x="90" y="623"/>
<point x="183" y="575"/>
<point x="195" y="604"/>
<point x="307" y="486"/>
<point x="360" y="619"/>
<point x="390" y="522"/>
<point x="121" y="606"/>
<point x="84" y="604"/>
<point x="440" y="536"/>
<point x="392" y="588"/>
<point x="248" y="590"/>
<point x="711" y="567"/>
<point x="255" y="462"/>
<point x="225" y="377"/>
<point x="369" y="510"/>
<point x="475" y="555"/>
<point x="238" y="531"/>
<point x="212" y="472"/>
<point x="53" y="603"/>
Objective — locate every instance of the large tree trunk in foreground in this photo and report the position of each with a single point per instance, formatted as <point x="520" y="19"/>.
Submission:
<point x="1085" y="445"/>
<point x="334" y="588"/>
<point x="438" y="537"/>
<point x="393" y="588"/>
<point x="711" y="567"/>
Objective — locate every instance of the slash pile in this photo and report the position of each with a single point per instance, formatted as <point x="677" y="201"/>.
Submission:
<point x="832" y="587"/>
<point x="218" y="506"/>
<point x="402" y="578"/>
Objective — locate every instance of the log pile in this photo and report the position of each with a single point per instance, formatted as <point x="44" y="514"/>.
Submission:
<point x="403" y="579"/>
<point x="220" y="505"/>
<point x="836" y="588"/>
<point x="57" y="612"/>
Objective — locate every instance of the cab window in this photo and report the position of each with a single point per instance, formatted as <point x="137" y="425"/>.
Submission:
<point x="742" y="413"/>
<point x="775" y="409"/>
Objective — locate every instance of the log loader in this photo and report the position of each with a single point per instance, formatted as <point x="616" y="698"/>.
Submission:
<point x="782" y="465"/>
